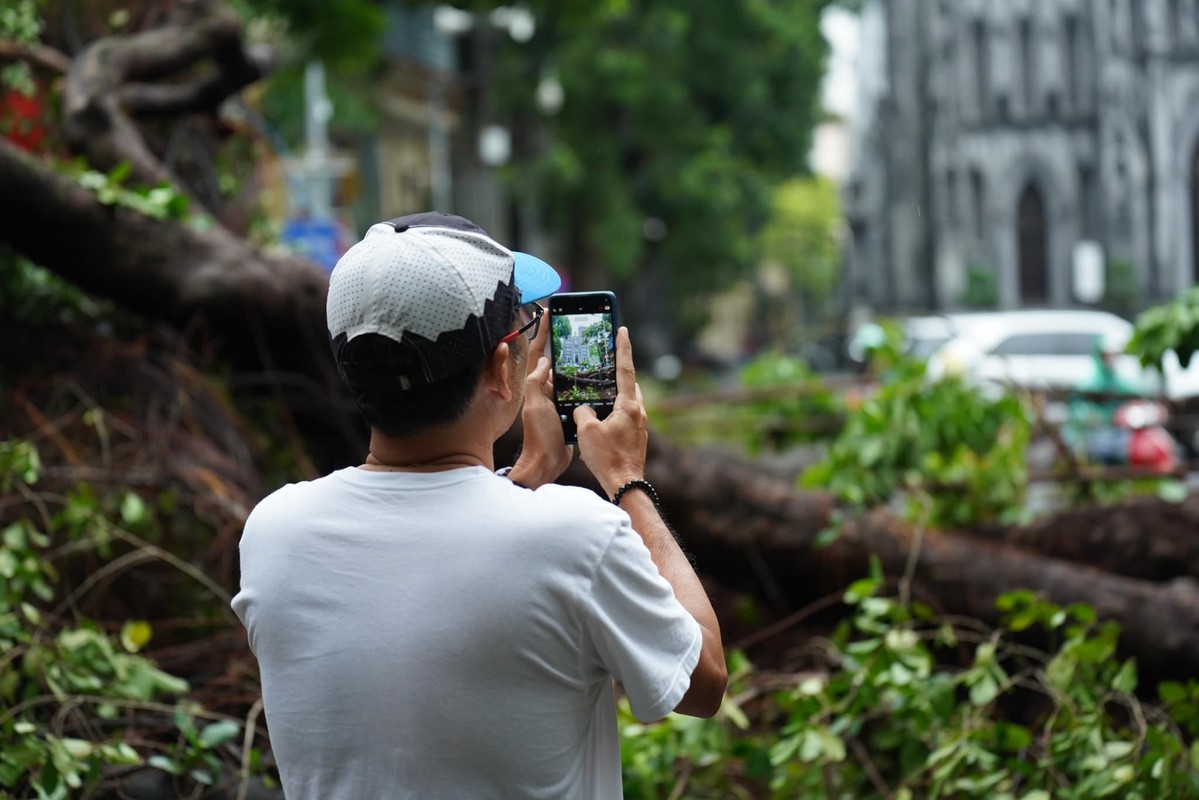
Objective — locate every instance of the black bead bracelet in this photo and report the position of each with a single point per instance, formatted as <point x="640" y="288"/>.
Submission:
<point x="643" y="485"/>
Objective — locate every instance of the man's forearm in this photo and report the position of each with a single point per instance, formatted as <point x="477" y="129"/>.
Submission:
<point x="710" y="676"/>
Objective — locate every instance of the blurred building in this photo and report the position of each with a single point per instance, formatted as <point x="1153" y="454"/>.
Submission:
<point x="993" y="138"/>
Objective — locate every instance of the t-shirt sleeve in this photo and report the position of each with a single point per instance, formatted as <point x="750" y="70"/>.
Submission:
<point x="637" y="630"/>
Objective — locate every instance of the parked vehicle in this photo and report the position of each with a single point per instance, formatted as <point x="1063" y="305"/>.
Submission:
<point x="1040" y="349"/>
<point x="1032" y="349"/>
<point x="1037" y="348"/>
<point x="1134" y="435"/>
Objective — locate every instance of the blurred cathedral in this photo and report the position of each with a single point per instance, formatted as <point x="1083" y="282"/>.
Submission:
<point x="1021" y="142"/>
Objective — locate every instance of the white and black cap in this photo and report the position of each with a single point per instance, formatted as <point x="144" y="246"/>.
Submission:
<point x="438" y="285"/>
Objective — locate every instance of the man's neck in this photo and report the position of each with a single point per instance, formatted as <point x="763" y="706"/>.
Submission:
<point x="433" y="450"/>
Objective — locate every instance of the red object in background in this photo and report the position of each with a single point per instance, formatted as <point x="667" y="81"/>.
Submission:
<point x="1150" y="445"/>
<point x="1152" y="448"/>
<point x="21" y="120"/>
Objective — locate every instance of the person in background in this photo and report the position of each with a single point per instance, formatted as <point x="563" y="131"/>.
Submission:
<point x="1092" y="427"/>
<point x="426" y="627"/>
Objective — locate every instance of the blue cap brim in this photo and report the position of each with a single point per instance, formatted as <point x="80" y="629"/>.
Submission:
<point x="535" y="278"/>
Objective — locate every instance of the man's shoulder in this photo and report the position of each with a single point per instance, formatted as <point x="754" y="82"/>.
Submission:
<point x="291" y="498"/>
<point x="576" y="502"/>
<point x="570" y="516"/>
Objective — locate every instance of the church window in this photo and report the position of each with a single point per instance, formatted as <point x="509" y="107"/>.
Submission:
<point x="1033" y="246"/>
<point x="982" y="76"/>
<point x="1088" y="205"/>
<point x="978" y="204"/>
<point x="951" y="197"/>
<point x="1027" y="68"/>
<point x="1073" y="65"/>
<point x="1137" y="10"/>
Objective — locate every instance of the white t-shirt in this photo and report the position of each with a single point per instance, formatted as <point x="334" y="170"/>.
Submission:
<point x="452" y="635"/>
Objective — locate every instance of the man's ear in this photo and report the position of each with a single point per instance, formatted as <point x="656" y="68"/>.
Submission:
<point x="497" y="373"/>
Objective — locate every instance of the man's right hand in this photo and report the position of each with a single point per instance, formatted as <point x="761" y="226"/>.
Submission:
<point x="614" y="449"/>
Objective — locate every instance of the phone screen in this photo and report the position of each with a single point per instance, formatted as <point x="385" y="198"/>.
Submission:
<point x="583" y="344"/>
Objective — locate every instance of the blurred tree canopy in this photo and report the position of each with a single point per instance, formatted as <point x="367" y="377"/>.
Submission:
<point x="804" y="234"/>
<point x="678" y="121"/>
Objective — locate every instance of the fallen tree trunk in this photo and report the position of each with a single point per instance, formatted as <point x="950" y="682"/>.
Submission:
<point x="1142" y="537"/>
<point x="260" y="311"/>
<point x="264" y="313"/>
<point x="758" y="533"/>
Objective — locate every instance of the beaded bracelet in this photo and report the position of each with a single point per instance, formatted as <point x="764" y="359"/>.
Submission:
<point x="643" y="485"/>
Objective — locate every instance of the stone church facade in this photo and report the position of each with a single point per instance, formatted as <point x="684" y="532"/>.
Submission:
<point x="996" y="135"/>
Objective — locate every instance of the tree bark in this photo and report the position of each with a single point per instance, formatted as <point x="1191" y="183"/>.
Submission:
<point x="1143" y="537"/>
<point x="265" y="313"/>
<point x="756" y="532"/>
<point x="106" y="85"/>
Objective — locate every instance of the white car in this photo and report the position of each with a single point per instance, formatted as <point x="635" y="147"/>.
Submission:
<point x="1034" y="349"/>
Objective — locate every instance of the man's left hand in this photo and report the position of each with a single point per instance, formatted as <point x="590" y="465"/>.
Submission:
<point x="545" y="454"/>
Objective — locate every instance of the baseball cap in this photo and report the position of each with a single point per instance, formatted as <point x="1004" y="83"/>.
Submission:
<point x="438" y="285"/>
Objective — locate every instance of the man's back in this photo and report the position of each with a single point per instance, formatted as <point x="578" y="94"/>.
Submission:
<point x="452" y="635"/>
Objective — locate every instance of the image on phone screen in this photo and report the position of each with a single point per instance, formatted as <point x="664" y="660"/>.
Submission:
<point x="584" y="349"/>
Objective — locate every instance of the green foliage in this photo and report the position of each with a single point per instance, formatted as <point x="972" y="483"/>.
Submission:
<point x="954" y="455"/>
<point x="787" y="398"/>
<point x="346" y="35"/>
<point x="679" y="756"/>
<point x="57" y="676"/>
<point x="195" y="752"/>
<point x="982" y="288"/>
<point x="914" y="706"/>
<point x="703" y="109"/>
<point x="19" y="22"/>
<point x="804" y="234"/>
<point x="778" y="404"/>
<point x="343" y="33"/>
<point x="1122" y="291"/>
<point x="31" y="296"/>
<point x="111" y="189"/>
<point x="1171" y="326"/>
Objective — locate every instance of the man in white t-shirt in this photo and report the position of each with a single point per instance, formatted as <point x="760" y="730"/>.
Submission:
<point x="426" y="628"/>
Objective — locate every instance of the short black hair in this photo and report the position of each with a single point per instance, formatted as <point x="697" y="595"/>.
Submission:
<point x="403" y="413"/>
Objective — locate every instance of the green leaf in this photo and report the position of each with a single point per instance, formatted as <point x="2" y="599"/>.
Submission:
<point x="860" y="589"/>
<point x="14" y="537"/>
<point x="218" y="733"/>
<point x="165" y="764"/>
<point x="120" y="173"/>
<point x="1125" y="681"/>
<point x="734" y="714"/>
<point x="202" y="776"/>
<point x="1171" y="691"/>
<point x="133" y="509"/>
<point x="1172" y="491"/>
<point x="1117" y="749"/>
<point x="984" y="691"/>
<point x="811" y="746"/>
<point x="31" y="614"/>
<point x="832" y="745"/>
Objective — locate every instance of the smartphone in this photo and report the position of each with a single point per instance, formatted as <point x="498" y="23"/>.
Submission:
<point x="583" y="354"/>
